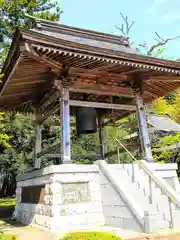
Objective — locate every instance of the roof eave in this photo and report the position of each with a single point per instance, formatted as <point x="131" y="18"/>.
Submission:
<point x="41" y="39"/>
<point x="11" y="59"/>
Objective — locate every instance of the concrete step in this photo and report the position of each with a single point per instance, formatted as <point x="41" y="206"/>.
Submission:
<point x="138" y="191"/>
<point x="158" y="225"/>
<point x="135" y="190"/>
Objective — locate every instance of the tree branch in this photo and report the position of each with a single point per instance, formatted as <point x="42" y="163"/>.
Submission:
<point x="125" y="29"/>
<point x="160" y="42"/>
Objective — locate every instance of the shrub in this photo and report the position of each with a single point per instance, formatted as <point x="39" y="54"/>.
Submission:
<point x="90" y="236"/>
<point x="8" y="237"/>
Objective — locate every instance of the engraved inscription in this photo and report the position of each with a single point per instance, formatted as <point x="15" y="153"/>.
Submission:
<point x="75" y="192"/>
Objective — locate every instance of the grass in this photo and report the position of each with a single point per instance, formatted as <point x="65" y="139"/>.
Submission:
<point x="7" y="207"/>
<point x="7" y="202"/>
<point x="8" y="237"/>
<point x="90" y="236"/>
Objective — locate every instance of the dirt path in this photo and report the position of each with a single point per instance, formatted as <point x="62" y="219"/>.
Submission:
<point x="32" y="233"/>
<point x="26" y="232"/>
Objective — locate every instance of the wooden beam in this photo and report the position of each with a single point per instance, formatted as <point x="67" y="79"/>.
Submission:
<point x="26" y="82"/>
<point x="48" y="150"/>
<point x="92" y="73"/>
<point x="101" y="89"/>
<point x="65" y="126"/>
<point x="95" y="156"/>
<point x="102" y="105"/>
<point x="48" y="99"/>
<point x="44" y="118"/>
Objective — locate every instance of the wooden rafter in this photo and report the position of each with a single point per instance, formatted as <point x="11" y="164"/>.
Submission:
<point x="75" y="71"/>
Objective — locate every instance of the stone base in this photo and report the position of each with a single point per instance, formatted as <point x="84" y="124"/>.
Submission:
<point x="72" y="198"/>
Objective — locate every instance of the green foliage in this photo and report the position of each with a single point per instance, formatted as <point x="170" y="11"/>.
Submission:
<point x="90" y="236"/>
<point x="4" y="138"/>
<point x="20" y="127"/>
<point x="12" y="13"/>
<point x="7" y="202"/>
<point x="160" y="106"/>
<point x="170" y="106"/>
<point x="8" y="237"/>
<point x="4" y="48"/>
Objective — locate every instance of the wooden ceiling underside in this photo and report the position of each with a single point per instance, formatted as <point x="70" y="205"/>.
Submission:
<point x="38" y="70"/>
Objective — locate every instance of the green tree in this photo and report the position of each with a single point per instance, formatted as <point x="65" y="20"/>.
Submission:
<point x="167" y="105"/>
<point x="13" y="13"/>
<point x="4" y="138"/>
<point x="19" y="127"/>
<point x="161" y="107"/>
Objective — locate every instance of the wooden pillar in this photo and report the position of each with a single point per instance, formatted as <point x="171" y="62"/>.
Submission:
<point x="37" y="161"/>
<point x="143" y="129"/>
<point x="65" y="127"/>
<point x="102" y="137"/>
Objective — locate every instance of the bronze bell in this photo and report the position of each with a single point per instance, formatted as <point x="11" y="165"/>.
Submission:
<point x="86" y="120"/>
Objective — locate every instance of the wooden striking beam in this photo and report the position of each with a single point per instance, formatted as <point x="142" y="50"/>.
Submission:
<point x="102" y="105"/>
<point x="101" y="89"/>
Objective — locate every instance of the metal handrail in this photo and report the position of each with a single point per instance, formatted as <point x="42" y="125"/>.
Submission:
<point x="171" y="194"/>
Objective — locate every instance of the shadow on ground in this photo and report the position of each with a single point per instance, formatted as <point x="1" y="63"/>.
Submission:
<point x="7" y="223"/>
<point x="7" y="206"/>
<point x="6" y="211"/>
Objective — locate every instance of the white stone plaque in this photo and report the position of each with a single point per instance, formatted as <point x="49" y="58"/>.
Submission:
<point x="75" y="192"/>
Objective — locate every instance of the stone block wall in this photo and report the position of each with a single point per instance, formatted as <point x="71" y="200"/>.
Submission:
<point x="72" y="198"/>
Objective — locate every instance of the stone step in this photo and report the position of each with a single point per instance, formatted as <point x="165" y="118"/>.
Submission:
<point x="137" y="193"/>
<point x="161" y="225"/>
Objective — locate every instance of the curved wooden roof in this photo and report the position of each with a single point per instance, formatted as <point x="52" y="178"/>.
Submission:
<point x="81" y="59"/>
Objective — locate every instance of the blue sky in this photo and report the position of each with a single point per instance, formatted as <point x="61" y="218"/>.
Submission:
<point x="162" y="16"/>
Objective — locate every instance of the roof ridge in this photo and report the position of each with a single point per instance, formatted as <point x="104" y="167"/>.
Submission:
<point x="42" y="24"/>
